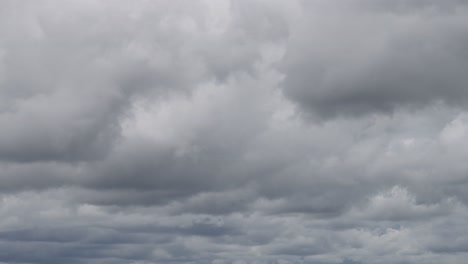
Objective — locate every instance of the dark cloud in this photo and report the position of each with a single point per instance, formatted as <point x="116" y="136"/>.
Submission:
<point x="351" y="59"/>
<point x="233" y="132"/>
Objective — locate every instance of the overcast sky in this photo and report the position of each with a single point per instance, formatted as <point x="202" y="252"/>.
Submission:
<point x="243" y="131"/>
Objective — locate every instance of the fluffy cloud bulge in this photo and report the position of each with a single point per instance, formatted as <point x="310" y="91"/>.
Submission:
<point x="234" y="131"/>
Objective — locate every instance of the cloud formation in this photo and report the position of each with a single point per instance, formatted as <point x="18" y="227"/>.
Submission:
<point x="357" y="57"/>
<point x="233" y="132"/>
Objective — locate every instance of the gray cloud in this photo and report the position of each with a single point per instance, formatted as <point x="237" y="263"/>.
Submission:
<point x="351" y="58"/>
<point x="233" y="132"/>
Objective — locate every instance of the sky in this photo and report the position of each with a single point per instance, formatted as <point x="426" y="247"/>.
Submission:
<point x="234" y="132"/>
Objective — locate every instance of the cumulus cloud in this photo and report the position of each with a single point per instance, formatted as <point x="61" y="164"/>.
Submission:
<point x="360" y="57"/>
<point x="233" y="132"/>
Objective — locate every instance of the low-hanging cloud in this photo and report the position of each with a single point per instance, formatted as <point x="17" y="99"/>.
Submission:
<point x="361" y="57"/>
<point x="233" y="132"/>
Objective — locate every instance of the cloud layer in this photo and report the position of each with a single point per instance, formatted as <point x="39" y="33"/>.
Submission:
<point x="233" y="132"/>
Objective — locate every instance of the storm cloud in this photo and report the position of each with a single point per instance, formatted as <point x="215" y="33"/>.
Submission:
<point x="233" y="131"/>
